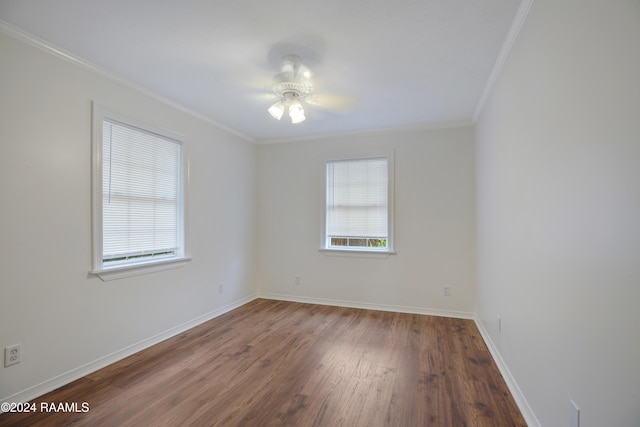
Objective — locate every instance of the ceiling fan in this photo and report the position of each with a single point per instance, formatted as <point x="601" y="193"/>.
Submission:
<point x="292" y="84"/>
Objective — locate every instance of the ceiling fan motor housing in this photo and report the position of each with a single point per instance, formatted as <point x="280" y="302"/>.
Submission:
<point x="292" y="89"/>
<point x="294" y="81"/>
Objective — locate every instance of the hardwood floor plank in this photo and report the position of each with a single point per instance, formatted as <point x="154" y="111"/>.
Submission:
<point x="277" y="363"/>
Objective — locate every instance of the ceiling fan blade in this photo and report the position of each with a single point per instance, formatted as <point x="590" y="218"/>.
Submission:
<point x="290" y="64"/>
<point x="259" y="94"/>
<point x="304" y="72"/>
<point x="331" y="102"/>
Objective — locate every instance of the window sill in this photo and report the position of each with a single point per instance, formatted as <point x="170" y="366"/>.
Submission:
<point x="121" y="272"/>
<point x="356" y="253"/>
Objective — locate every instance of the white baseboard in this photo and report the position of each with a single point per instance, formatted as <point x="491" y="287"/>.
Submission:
<point x="517" y="394"/>
<point x="371" y="306"/>
<point x="86" y="369"/>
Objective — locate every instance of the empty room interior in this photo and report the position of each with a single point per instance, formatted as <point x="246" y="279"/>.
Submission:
<point x="339" y="190"/>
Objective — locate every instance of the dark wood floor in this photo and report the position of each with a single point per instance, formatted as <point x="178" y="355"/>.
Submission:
<point x="275" y="363"/>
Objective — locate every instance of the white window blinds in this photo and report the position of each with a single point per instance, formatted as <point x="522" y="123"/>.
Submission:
<point x="357" y="202"/>
<point x="141" y="181"/>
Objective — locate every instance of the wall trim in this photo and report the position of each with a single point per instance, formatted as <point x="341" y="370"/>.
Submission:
<point x="88" y="368"/>
<point x="35" y="41"/>
<point x="370" y="306"/>
<point x="512" y="35"/>
<point x="517" y="394"/>
<point x="515" y="390"/>
<point x="383" y="131"/>
<point x="30" y="39"/>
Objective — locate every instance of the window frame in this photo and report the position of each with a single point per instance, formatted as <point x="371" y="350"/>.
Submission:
<point x="361" y="251"/>
<point x="132" y="267"/>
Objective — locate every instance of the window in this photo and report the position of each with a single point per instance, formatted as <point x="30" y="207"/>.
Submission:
<point x="138" y="195"/>
<point x="359" y="204"/>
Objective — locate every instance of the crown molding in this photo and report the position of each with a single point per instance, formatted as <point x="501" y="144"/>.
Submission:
<point x="514" y="30"/>
<point x="35" y="41"/>
<point x="383" y="131"/>
<point x="512" y="35"/>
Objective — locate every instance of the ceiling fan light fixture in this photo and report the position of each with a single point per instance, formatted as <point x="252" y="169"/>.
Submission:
<point x="277" y="110"/>
<point x="292" y="85"/>
<point x="296" y="112"/>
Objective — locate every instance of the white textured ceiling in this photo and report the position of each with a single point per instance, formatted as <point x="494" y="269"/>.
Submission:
<point x="385" y="64"/>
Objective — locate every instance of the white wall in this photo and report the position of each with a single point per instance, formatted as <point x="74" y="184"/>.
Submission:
<point x="558" y="187"/>
<point x="62" y="316"/>
<point x="434" y="223"/>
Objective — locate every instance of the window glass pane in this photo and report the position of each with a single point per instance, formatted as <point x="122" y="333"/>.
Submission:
<point x="141" y="193"/>
<point x="357" y="203"/>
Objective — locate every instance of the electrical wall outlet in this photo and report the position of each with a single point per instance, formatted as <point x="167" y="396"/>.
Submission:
<point x="12" y="355"/>
<point x="220" y="288"/>
<point x="446" y="291"/>
<point x="296" y="279"/>
<point x="499" y="323"/>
